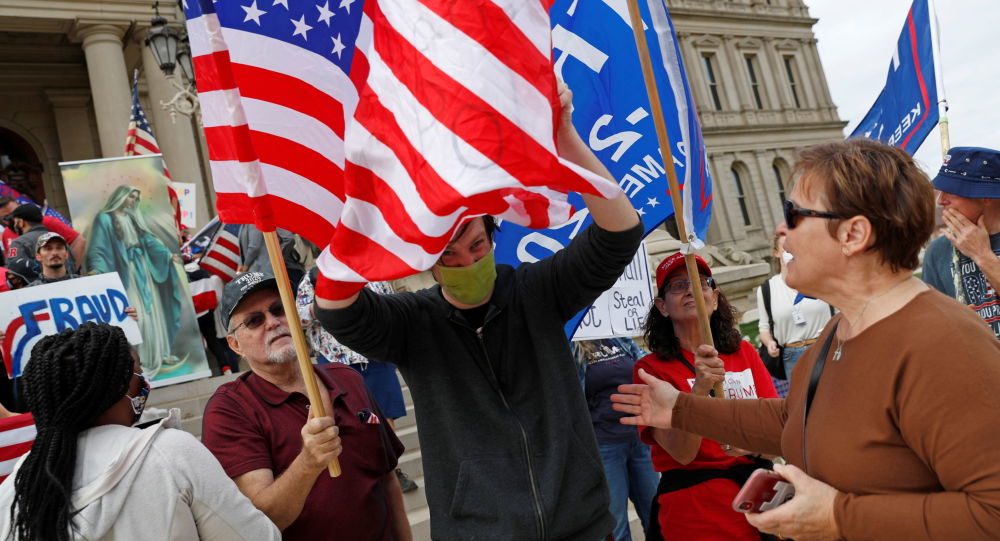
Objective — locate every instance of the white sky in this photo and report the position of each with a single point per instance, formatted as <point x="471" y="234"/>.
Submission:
<point x="856" y="40"/>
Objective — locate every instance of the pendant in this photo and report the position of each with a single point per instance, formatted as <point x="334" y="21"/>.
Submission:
<point x="836" y="353"/>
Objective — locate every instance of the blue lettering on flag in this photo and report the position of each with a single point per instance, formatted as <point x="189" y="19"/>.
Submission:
<point x="907" y="108"/>
<point x="595" y="54"/>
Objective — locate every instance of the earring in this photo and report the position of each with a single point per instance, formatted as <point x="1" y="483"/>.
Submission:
<point x="844" y="249"/>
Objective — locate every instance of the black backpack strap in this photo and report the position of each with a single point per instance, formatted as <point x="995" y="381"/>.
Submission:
<point x="817" y="373"/>
<point x="765" y="290"/>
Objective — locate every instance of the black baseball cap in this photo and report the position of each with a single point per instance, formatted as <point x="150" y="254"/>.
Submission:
<point x="235" y="291"/>
<point x="24" y="268"/>
<point x="28" y="212"/>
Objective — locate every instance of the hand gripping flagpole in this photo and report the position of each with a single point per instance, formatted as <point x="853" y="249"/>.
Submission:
<point x="668" y="163"/>
<point x="298" y="337"/>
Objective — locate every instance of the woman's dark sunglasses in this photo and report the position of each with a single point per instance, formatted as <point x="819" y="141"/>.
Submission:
<point x="794" y="213"/>
<point x="256" y="319"/>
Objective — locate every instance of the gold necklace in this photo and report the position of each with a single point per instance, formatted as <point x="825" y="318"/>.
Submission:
<point x="840" y="341"/>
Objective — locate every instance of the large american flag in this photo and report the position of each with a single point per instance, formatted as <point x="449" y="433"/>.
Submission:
<point x="139" y="141"/>
<point x="376" y="127"/>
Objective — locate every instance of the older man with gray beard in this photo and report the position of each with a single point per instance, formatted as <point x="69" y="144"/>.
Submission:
<point x="260" y="428"/>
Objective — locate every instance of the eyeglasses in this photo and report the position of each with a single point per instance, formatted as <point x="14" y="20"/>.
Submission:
<point x="794" y="213"/>
<point x="682" y="286"/>
<point x="256" y="319"/>
<point x="139" y="400"/>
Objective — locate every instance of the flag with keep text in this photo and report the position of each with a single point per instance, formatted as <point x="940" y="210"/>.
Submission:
<point x="907" y="108"/>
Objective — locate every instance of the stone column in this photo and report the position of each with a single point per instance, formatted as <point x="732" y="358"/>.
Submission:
<point x="738" y="75"/>
<point x="825" y="101"/>
<point x="72" y="115"/>
<point x="768" y="192"/>
<point x="175" y="136"/>
<point x="725" y="208"/>
<point x="109" y="84"/>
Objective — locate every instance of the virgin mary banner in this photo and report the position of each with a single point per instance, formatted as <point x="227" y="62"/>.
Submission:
<point x="123" y="207"/>
<point x="30" y="313"/>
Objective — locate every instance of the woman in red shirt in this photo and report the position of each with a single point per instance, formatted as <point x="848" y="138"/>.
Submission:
<point x="699" y="477"/>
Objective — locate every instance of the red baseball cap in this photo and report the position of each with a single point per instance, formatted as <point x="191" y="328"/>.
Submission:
<point x="671" y="263"/>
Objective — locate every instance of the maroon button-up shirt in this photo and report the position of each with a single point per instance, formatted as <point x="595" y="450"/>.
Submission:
<point x="250" y="424"/>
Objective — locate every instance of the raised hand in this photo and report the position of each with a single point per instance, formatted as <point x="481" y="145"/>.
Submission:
<point x="649" y="404"/>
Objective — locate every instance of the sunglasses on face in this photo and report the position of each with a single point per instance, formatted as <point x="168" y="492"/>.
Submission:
<point x="794" y="213"/>
<point x="678" y="287"/>
<point x="256" y="319"/>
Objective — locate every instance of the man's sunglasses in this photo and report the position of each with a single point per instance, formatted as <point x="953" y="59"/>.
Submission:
<point x="256" y="319"/>
<point x="795" y="213"/>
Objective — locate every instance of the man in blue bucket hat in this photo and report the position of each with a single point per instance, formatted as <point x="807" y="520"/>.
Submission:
<point x="968" y="187"/>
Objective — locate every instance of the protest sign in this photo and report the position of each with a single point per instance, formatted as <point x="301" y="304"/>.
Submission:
<point x="30" y="313"/>
<point x="186" y="200"/>
<point x="621" y="310"/>
<point x="123" y="208"/>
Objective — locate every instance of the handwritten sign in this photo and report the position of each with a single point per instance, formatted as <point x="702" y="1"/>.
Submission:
<point x="30" y="313"/>
<point x="186" y="201"/>
<point x="621" y="310"/>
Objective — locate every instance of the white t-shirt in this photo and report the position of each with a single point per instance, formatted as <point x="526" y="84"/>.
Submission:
<point x="814" y="313"/>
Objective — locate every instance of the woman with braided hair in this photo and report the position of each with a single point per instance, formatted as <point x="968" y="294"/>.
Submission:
<point x="90" y="475"/>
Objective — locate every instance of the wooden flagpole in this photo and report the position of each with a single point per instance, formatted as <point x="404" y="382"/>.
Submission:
<point x="298" y="337"/>
<point x="652" y="91"/>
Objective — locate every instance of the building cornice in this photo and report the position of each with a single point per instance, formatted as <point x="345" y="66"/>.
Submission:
<point x="60" y="16"/>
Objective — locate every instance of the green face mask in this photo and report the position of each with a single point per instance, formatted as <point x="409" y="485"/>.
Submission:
<point x="469" y="285"/>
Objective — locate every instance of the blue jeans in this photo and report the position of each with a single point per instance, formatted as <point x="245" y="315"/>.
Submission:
<point x="790" y="356"/>
<point x="630" y="475"/>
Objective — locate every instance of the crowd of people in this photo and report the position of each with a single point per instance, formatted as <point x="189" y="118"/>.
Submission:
<point x="883" y="423"/>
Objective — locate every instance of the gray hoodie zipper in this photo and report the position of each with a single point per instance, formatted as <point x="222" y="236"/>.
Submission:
<point x="539" y="513"/>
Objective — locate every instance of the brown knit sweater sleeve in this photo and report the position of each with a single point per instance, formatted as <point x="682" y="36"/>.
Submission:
<point x="754" y="425"/>
<point x="948" y="409"/>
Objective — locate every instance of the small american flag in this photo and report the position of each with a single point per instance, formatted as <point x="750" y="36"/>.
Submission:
<point x="223" y="256"/>
<point x="368" y="417"/>
<point x="139" y="141"/>
<point x="376" y="127"/>
<point x="16" y="436"/>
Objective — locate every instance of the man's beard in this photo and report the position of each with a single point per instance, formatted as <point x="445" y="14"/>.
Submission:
<point x="55" y="265"/>
<point x="280" y="355"/>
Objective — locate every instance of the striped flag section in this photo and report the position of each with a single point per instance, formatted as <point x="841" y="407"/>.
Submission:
<point x="206" y="290"/>
<point x="376" y="127"/>
<point x="223" y="256"/>
<point x="16" y="436"/>
<point x="139" y="141"/>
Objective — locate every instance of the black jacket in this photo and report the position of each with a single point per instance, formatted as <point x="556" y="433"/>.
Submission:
<point x="505" y="434"/>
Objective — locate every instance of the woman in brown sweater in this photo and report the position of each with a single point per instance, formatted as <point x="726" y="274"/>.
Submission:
<point x="902" y="439"/>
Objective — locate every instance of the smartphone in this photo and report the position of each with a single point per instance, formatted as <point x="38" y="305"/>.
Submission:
<point x="764" y="490"/>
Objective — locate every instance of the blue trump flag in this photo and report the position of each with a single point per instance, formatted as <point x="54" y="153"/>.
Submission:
<point x="906" y="110"/>
<point x="596" y="56"/>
